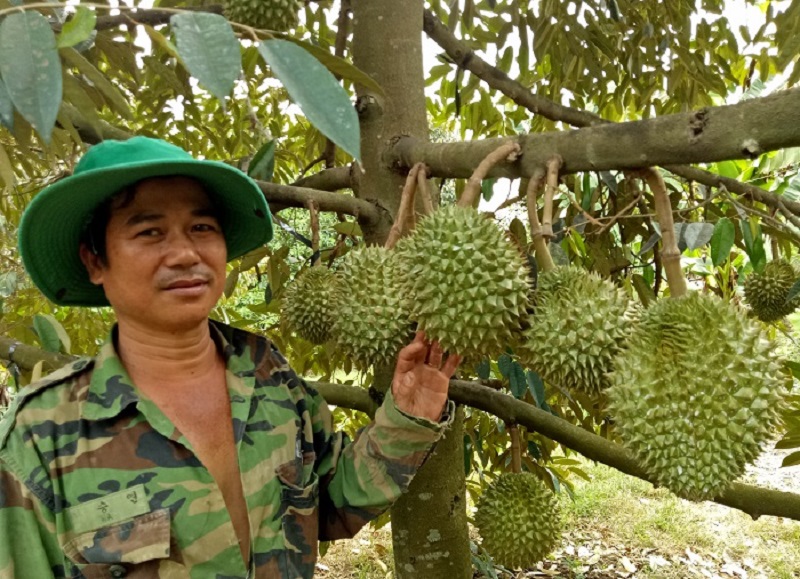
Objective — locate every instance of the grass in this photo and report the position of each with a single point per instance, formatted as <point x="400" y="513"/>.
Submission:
<point x="622" y="517"/>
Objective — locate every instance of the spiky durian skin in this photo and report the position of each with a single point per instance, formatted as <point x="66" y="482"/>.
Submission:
<point x="766" y="292"/>
<point x="277" y="15"/>
<point x="469" y="283"/>
<point x="579" y="326"/>
<point x="372" y="324"/>
<point x="517" y="519"/>
<point x="697" y="394"/>
<point x="310" y="302"/>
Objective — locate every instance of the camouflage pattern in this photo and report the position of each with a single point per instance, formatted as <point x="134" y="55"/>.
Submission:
<point x="96" y="482"/>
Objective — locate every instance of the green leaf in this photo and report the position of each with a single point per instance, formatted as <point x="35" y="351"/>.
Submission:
<point x="339" y="66"/>
<point x="209" y="49"/>
<point x="262" y="166"/>
<point x="31" y="69"/>
<point x="754" y="243"/>
<point x="792" y="460"/>
<point x="7" y="178"/>
<point x="48" y="335"/>
<point x="111" y="93"/>
<point x="517" y="381"/>
<point x="350" y="228"/>
<point x="722" y="241"/>
<point x="316" y="91"/>
<point x="78" y="28"/>
<point x="487" y="188"/>
<point x="505" y="364"/>
<point x="8" y="283"/>
<point x="693" y="235"/>
<point x="536" y="386"/>
<point x="794" y="291"/>
<point x="6" y="107"/>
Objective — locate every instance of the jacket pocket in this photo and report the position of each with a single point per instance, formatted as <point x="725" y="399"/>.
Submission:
<point x="300" y="522"/>
<point x="131" y="548"/>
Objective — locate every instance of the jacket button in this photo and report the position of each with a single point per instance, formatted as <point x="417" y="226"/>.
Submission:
<point x="117" y="571"/>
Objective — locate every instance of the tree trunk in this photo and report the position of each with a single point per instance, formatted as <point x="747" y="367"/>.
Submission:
<point x="429" y="523"/>
<point x="429" y="541"/>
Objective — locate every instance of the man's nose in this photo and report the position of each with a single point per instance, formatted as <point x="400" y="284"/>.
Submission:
<point x="181" y="250"/>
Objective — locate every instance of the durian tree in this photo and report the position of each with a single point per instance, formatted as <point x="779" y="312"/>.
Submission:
<point x="336" y="107"/>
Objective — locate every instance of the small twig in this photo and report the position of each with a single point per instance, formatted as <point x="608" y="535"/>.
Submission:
<point x="508" y="151"/>
<point x="308" y="167"/>
<point x="614" y="218"/>
<point x="670" y="254"/>
<point x="423" y="191"/>
<point x="550" y="188"/>
<point x="585" y="213"/>
<point x="543" y="258"/>
<point x="313" y="211"/>
<point x="406" y="205"/>
<point x="516" y="452"/>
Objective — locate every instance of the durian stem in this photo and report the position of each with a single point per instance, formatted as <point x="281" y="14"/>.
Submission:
<point x="550" y="188"/>
<point x="314" y="215"/>
<point x="543" y="258"/>
<point x="507" y="151"/>
<point x="670" y="254"/>
<point x="516" y="452"/>
<point x="423" y="191"/>
<point x="406" y="205"/>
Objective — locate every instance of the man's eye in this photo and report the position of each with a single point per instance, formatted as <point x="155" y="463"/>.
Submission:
<point x="205" y="227"/>
<point x="152" y="232"/>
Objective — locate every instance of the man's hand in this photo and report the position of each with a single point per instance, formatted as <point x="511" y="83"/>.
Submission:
<point x="420" y="381"/>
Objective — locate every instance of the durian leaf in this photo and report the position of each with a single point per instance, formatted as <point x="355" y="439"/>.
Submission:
<point x="533" y="450"/>
<point x="487" y="188"/>
<point x="517" y="381"/>
<point x="788" y="442"/>
<point x="754" y="243"/>
<point x="517" y="230"/>
<point x="262" y="166"/>
<point x="693" y="235"/>
<point x="791" y="460"/>
<point x="31" y="69"/>
<point x="650" y="243"/>
<point x="350" y="228"/>
<point x="8" y="283"/>
<point x="210" y="50"/>
<point x="793" y="293"/>
<point x="483" y="369"/>
<point x="339" y="66"/>
<point x="6" y="107"/>
<point x="722" y="241"/>
<point x="48" y="335"/>
<point x="316" y="91"/>
<point x="78" y="28"/>
<point x="536" y="386"/>
<point x="504" y="364"/>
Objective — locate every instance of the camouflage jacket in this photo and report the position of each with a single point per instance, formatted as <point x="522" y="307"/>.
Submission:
<point x="96" y="482"/>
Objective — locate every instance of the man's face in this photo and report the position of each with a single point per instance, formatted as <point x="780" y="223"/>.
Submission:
<point x="166" y="255"/>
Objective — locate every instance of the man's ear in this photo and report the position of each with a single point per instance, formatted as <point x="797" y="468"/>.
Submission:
<point x="93" y="264"/>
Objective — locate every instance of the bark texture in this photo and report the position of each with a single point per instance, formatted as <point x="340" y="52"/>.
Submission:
<point x="741" y="131"/>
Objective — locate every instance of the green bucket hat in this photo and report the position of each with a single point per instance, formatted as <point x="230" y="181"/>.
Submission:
<point x="52" y="224"/>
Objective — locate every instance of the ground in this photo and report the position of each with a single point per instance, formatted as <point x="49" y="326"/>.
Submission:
<point x="621" y="527"/>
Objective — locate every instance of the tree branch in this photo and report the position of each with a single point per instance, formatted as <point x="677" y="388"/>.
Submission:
<point x="752" y="500"/>
<point x="282" y="196"/>
<point x="498" y="80"/>
<point x="328" y="180"/>
<point x="743" y="130"/>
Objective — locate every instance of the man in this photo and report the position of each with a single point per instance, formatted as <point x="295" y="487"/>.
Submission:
<point x="186" y="448"/>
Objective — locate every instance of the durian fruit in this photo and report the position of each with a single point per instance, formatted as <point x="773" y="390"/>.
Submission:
<point x="579" y="326"/>
<point x="766" y="292"/>
<point x="277" y="15"/>
<point x="372" y="323"/>
<point x="518" y="520"/>
<point x="469" y="283"/>
<point x="310" y="302"/>
<point x="697" y="394"/>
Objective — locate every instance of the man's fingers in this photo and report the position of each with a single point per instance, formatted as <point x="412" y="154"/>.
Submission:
<point x="435" y="355"/>
<point x="449" y="368"/>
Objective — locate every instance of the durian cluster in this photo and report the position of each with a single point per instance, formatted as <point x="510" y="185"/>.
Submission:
<point x="766" y="292"/>
<point x="277" y="15"/>
<point x="579" y="326"/>
<point x="518" y="520"/>
<point x="698" y="395"/>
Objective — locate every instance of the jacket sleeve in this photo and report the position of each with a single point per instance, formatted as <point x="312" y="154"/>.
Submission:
<point x="28" y="544"/>
<point x="360" y="479"/>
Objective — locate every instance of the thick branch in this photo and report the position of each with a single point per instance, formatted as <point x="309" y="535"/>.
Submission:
<point x="152" y="17"/>
<point x="328" y="180"/>
<point x="752" y="500"/>
<point x="291" y="196"/>
<point x="743" y="130"/>
<point x="498" y="80"/>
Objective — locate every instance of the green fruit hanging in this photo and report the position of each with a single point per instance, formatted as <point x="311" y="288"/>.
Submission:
<point x="372" y="323"/>
<point x="517" y="519"/>
<point x="697" y="394"/>
<point x="579" y="326"/>
<point x="469" y="283"/>
<point x="766" y="292"/>
<point x="309" y="304"/>
<point x="277" y="15"/>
